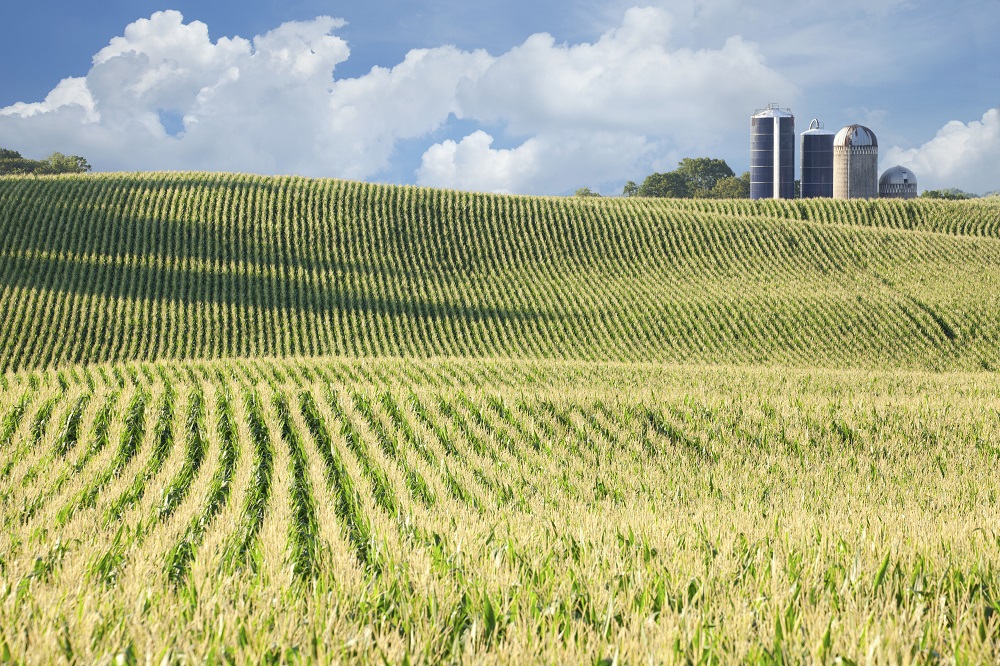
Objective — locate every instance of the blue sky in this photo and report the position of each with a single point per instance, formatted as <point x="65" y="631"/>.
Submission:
<point x="529" y="97"/>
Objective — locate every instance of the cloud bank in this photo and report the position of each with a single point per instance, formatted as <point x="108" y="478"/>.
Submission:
<point x="961" y="155"/>
<point x="165" y="96"/>
<point x="543" y="117"/>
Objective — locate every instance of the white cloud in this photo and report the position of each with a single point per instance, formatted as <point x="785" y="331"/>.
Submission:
<point x="550" y="162"/>
<point x="961" y="155"/>
<point x="369" y="114"/>
<point x="269" y="105"/>
<point x="69" y="92"/>
<point x="630" y="79"/>
<point x="818" y="42"/>
<point x="587" y="113"/>
<point x="247" y="106"/>
<point x="472" y="164"/>
<point x="601" y="112"/>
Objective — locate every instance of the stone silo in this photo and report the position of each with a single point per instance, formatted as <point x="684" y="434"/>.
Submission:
<point x="897" y="183"/>
<point x="855" y="163"/>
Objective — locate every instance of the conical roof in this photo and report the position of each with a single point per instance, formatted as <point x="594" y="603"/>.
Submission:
<point x="816" y="129"/>
<point x="772" y="111"/>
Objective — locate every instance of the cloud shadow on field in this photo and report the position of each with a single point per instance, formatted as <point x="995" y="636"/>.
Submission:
<point x="192" y="285"/>
<point x="186" y="256"/>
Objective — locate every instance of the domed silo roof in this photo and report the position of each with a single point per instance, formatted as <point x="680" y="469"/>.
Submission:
<point x="855" y="135"/>
<point x="897" y="175"/>
<point x="897" y="183"/>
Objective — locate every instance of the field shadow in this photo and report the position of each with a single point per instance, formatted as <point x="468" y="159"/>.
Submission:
<point x="318" y="291"/>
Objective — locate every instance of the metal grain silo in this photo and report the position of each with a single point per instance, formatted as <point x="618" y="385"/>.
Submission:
<point x="772" y="154"/>
<point x="855" y="163"/>
<point x="817" y="162"/>
<point x="897" y="183"/>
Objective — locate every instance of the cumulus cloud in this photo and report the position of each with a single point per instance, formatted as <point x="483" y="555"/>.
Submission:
<point x="248" y="106"/>
<point x="369" y="114"/>
<point x="964" y="155"/>
<point x="69" y="93"/>
<point x="471" y="164"/>
<point x="631" y="78"/>
<point x="165" y="96"/>
<point x="549" y="162"/>
<point x="594" y="112"/>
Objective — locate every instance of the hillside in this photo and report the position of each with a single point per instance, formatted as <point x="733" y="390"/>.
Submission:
<point x="466" y="511"/>
<point x="146" y="267"/>
<point x="279" y="420"/>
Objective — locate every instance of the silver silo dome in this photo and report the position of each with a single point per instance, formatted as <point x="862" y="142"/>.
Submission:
<point x="855" y="135"/>
<point x="897" y="183"/>
<point x="855" y="163"/>
<point x="772" y="154"/>
<point x="817" y="162"/>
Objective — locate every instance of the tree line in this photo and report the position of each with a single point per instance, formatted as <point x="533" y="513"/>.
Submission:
<point x="950" y="193"/>
<point x="13" y="163"/>
<point x="694" y="177"/>
<point x="709" y="178"/>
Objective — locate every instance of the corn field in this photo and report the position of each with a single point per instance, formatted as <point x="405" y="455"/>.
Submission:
<point x="438" y="511"/>
<point x="277" y="420"/>
<point x="145" y="267"/>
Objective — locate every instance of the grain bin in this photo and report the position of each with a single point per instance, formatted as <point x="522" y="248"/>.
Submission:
<point x="855" y="163"/>
<point x="897" y="183"/>
<point x="772" y="154"/>
<point x="817" y="162"/>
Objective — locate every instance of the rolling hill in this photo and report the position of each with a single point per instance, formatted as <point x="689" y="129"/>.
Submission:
<point x="196" y="266"/>
<point x="280" y="420"/>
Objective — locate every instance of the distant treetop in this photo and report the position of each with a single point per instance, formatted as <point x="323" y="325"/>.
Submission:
<point x="694" y="177"/>
<point x="952" y="193"/>
<point x="13" y="163"/>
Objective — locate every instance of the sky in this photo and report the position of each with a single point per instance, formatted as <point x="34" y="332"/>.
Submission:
<point x="521" y="96"/>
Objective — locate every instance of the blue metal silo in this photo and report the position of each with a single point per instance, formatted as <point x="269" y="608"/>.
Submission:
<point x="817" y="162"/>
<point x="772" y="154"/>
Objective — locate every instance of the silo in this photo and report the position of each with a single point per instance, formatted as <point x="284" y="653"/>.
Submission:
<point x="772" y="154"/>
<point x="855" y="163"/>
<point x="817" y="162"/>
<point x="897" y="183"/>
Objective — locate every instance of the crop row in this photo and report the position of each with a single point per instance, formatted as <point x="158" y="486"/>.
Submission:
<point x="965" y="218"/>
<point x="148" y="267"/>
<point x="458" y="510"/>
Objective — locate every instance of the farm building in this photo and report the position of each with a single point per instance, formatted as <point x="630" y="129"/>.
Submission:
<point x="772" y="154"/>
<point x="897" y="183"/>
<point x="855" y="163"/>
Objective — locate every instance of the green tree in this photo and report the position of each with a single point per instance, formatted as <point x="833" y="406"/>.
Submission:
<point x="12" y="162"/>
<point x="732" y="187"/>
<point x="705" y="177"/>
<point x="586" y="192"/>
<point x="952" y="193"/>
<point x="702" y="174"/>
<point x="670" y="184"/>
<point x="59" y="163"/>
